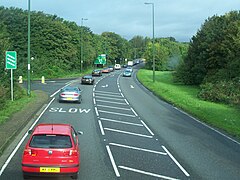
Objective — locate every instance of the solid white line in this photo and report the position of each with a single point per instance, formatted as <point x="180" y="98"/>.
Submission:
<point x="114" y="107"/>
<point x="126" y="101"/>
<point x="101" y="127"/>
<point x="106" y="92"/>
<point x="123" y="122"/>
<point x="110" y="102"/>
<point x="112" y="161"/>
<point x="102" y="97"/>
<point x="125" y="132"/>
<point x="94" y="101"/>
<point x="122" y="95"/>
<point x="109" y="112"/>
<point x="134" y="112"/>
<point x="61" y="88"/>
<point x="149" y="130"/>
<point x="24" y="137"/>
<point x="139" y="149"/>
<point x="107" y="95"/>
<point x="176" y="162"/>
<point x="147" y="173"/>
<point x="96" y="111"/>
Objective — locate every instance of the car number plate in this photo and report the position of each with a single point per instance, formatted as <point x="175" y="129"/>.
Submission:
<point x="69" y="98"/>
<point x="50" y="169"/>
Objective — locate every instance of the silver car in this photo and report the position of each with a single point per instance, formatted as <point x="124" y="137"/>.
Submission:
<point x="69" y="93"/>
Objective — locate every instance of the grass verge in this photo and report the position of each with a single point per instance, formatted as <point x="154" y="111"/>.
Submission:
<point x="14" y="106"/>
<point x="220" y="116"/>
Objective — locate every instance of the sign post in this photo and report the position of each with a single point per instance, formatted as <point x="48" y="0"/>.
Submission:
<point x="11" y="63"/>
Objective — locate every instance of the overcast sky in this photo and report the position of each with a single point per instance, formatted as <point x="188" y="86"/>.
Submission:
<point x="180" y="19"/>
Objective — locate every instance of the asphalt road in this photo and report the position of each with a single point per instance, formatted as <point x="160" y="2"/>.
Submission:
<point x="131" y="134"/>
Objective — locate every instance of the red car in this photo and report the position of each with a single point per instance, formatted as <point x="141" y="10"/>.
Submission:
<point x="52" y="150"/>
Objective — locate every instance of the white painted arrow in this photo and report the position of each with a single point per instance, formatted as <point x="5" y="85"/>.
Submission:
<point x="131" y="86"/>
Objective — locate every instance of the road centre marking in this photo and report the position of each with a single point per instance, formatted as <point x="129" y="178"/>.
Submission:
<point x="176" y="162"/>
<point x="147" y="173"/>
<point x="122" y="122"/>
<point x="96" y="111"/>
<point x="139" y="149"/>
<point x="112" y="161"/>
<point x="101" y="127"/>
<point x="98" y="100"/>
<point x="126" y="101"/>
<point x="108" y="95"/>
<point x="149" y="130"/>
<point x="104" y="97"/>
<point x="126" y="132"/>
<point x="106" y="92"/>
<point x="113" y="107"/>
<point x="134" y="112"/>
<point x="109" y="112"/>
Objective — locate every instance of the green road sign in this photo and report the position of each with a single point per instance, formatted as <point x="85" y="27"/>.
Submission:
<point x="101" y="59"/>
<point x="11" y="60"/>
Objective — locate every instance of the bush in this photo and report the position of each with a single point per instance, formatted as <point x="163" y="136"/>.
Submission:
<point x="222" y="91"/>
<point x="3" y="97"/>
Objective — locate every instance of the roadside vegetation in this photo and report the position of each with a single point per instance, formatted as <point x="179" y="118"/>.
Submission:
<point x="221" y="116"/>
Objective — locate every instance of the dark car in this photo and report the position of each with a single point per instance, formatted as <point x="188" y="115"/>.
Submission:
<point x="52" y="150"/>
<point x="70" y="93"/>
<point x="88" y="79"/>
<point x="96" y="72"/>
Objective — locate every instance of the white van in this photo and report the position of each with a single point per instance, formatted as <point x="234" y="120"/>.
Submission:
<point x="117" y="67"/>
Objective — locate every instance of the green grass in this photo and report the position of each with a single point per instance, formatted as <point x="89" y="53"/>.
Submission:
<point x="220" y="116"/>
<point x="15" y="106"/>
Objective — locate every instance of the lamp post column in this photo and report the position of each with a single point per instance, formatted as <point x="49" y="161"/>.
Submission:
<point x="28" y="67"/>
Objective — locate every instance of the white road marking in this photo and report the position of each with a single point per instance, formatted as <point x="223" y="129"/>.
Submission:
<point x="122" y="122"/>
<point x="96" y="111"/>
<point x="94" y="101"/>
<point x="93" y="94"/>
<point x="104" y="97"/>
<point x="132" y="86"/>
<point x="112" y="161"/>
<point x="147" y="173"/>
<point x="113" y="107"/>
<point x="139" y="149"/>
<point x="149" y="130"/>
<point x="24" y="137"/>
<point x="126" y="101"/>
<point x="101" y="127"/>
<point x="122" y="95"/>
<point x="98" y="100"/>
<point x="61" y="88"/>
<point x="105" y="86"/>
<point x="109" y="112"/>
<point x="176" y="162"/>
<point x="106" y="92"/>
<point x="134" y="112"/>
<point x="107" y="95"/>
<point x="126" y="132"/>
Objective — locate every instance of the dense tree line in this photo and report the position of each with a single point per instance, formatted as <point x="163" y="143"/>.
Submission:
<point x="56" y="47"/>
<point x="213" y="59"/>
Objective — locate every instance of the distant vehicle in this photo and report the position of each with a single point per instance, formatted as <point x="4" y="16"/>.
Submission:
<point x="70" y="93"/>
<point x="111" y="68"/>
<point x="105" y="70"/>
<point x="117" y="66"/>
<point x="96" y="72"/>
<point x="125" y="65"/>
<point x="130" y="63"/>
<point x="129" y="68"/>
<point x="88" y="79"/>
<point x="127" y="73"/>
<point x="52" y="149"/>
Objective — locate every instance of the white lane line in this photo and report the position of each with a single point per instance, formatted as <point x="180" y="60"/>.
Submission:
<point x="112" y="161"/>
<point x="122" y="122"/>
<point x="120" y="114"/>
<point x="104" y="97"/>
<point x="122" y="95"/>
<point x="94" y="101"/>
<point x="93" y="94"/>
<point x="101" y="127"/>
<point x="98" y="100"/>
<point x="134" y="112"/>
<point x="149" y="130"/>
<point x="114" y="107"/>
<point x="96" y="111"/>
<point x="147" y="173"/>
<point x="139" y="149"/>
<point x="107" y="95"/>
<point x="106" y="92"/>
<point x="61" y="88"/>
<point x="126" y="132"/>
<point x="176" y="162"/>
<point x="126" y="101"/>
<point x="24" y="137"/>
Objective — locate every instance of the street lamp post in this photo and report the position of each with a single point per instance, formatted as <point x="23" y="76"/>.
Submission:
<point x="29" y="85"/>
<point x="81" y="59"/>
<point x="153" y="47"/>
